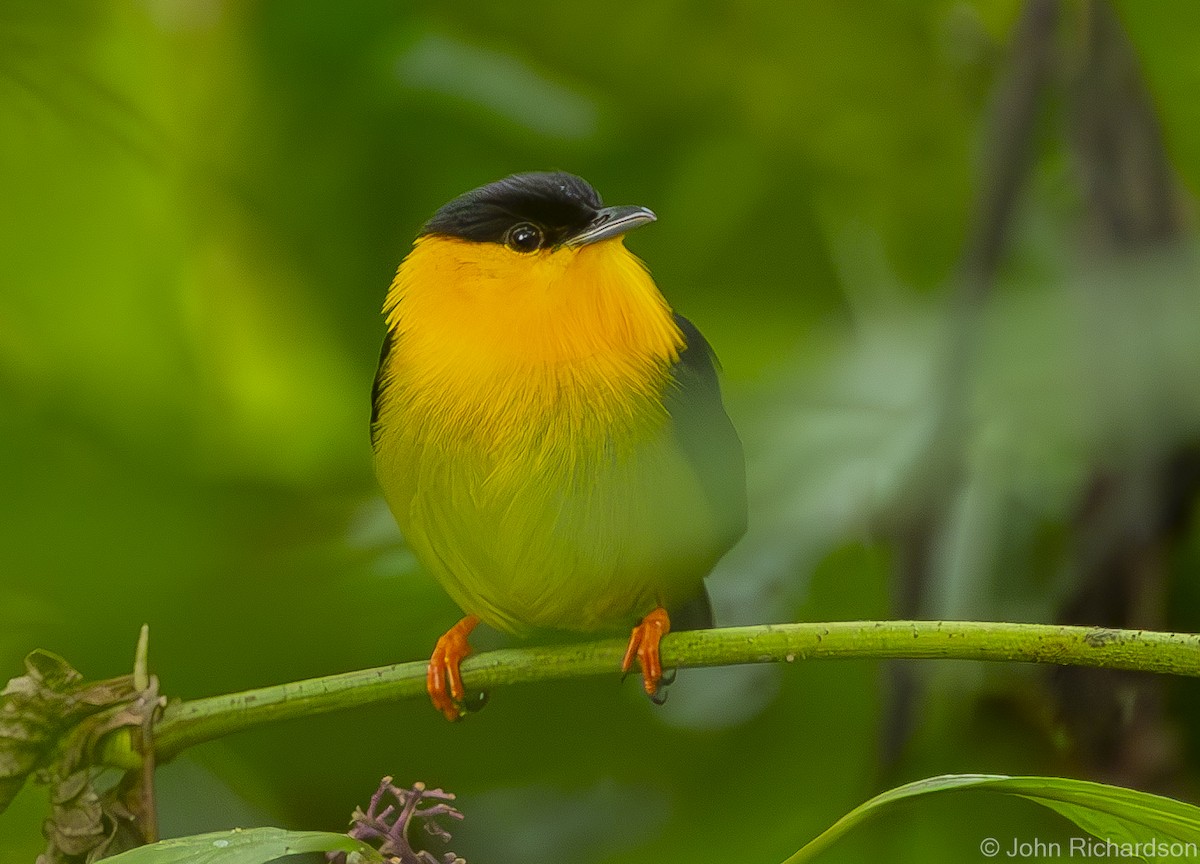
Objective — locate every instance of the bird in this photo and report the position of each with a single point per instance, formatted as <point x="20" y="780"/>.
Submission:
<point x="549" y="434"/>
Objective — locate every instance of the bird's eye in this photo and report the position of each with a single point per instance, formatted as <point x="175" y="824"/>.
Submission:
<point x="524" y="238"/>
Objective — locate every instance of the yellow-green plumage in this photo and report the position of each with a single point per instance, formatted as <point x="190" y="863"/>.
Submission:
<point x="528" y="434"/>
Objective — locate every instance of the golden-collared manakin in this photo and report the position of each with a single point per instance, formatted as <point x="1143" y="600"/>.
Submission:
<point x="549" y="435"/>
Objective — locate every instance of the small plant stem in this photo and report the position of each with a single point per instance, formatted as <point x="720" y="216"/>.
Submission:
<point x="185" y="724"/>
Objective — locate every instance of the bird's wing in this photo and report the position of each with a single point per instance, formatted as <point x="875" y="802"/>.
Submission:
<point x="378" y="385"/>
<point x="705" y="435"/>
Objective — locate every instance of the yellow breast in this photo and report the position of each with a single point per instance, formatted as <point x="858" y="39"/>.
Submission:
<point x="496" y="347"/>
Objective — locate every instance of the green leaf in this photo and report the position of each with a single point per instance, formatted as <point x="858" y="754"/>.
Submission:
<point x="1148" y="823"/>
<point x="250" y="846"/>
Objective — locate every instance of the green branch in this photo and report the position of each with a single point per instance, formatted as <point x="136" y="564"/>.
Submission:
<point x="185" y="724"/>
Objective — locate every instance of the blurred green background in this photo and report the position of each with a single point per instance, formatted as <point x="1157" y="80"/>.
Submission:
<point x="202" y="203"/>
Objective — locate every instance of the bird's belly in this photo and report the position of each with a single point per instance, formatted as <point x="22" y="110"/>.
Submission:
<point x="568" y="540"/>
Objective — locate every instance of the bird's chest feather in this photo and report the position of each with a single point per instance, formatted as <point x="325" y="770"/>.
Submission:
<point x="524" y="435"/>
<point x="522" y="375"/>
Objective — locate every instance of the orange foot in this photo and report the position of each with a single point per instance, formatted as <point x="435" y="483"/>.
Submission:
<point x="443" y="669"/>
<point x="643" y="643"/>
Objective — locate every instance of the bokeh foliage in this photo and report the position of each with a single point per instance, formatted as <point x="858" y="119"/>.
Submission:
<point x="202" y="203"/>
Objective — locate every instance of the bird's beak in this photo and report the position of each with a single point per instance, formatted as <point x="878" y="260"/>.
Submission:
<point x="611" y="222"/>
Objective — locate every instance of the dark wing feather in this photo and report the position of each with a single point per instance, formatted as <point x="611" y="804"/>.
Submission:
<point x="377" y="387"/>
<point x="707" y="437"/>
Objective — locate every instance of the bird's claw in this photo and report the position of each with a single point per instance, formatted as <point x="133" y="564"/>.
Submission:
<point x="443" y="679"/>
<point x="643" y="644"/>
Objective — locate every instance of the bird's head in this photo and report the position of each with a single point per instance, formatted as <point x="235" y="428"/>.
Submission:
<point x="520" y="237"/>
<point x="544" y="212"/>
<point x="534" y="264"/>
